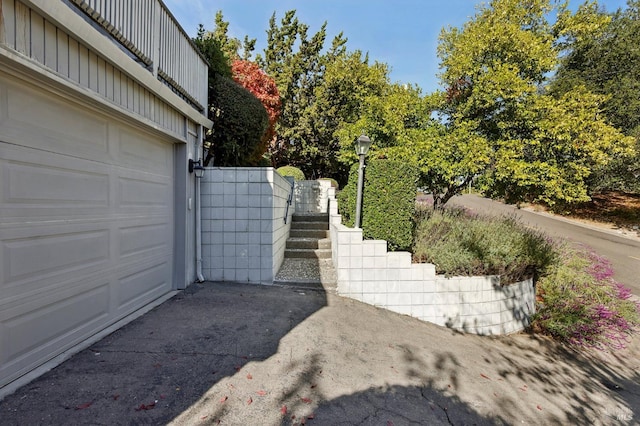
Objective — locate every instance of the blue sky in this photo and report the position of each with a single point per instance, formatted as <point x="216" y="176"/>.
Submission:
<point x="401" y="33"/>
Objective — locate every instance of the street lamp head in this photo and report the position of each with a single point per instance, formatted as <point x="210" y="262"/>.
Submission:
<point x="363" y="145"/>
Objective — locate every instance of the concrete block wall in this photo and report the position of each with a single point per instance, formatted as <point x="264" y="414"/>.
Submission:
<point x="369" y="273"/>
<point x="312" y="196"/>
<point x="243" y="228"/>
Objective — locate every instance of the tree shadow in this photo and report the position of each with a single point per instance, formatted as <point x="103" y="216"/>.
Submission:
<point x="242" y="354"/>
<point x="157" y="366"/>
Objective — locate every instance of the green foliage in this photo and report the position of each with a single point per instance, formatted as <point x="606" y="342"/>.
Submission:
<point x="239" y="121"/>
<point x="210" y="48"/>
<point x="607" y="62"/>
<point x="458" y="244"/>
<point x="388" y="202"/>
<point x="448" y="159"/>
<point x="581" y="304"/>
<point x="295" y="61"/>
<point x="294" y="172"/>
<point x="540" y="147"/>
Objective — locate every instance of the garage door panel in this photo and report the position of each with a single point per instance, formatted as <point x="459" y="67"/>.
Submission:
<point x="144" y="192"/>
<point x="31" y="118"/>
<point x="36" y="184"/>
<point x="49" y="325"/>
<point x="137" y="287"/>
<point x="29" y="183"/>
<point x="54" y="253"/>
<point x="86" y="223"/>
<point x="138" y="151"/>
<point x="143" y="240"/>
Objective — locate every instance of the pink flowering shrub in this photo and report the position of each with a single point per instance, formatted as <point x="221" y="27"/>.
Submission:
<point x="579" y="302"/>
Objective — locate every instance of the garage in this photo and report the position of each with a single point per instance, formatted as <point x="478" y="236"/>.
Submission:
<point x="86" y="222"/>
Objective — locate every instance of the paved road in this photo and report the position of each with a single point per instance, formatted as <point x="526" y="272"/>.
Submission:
<point x="623" y="252"/>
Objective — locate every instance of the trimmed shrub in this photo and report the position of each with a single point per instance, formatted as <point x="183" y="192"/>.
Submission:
<point x="460" y="244"/>
<point x="239" y="121"/>
<point x="294" y="172"/>
<point x="388" y="202"/>
<point x="580" y="303"/>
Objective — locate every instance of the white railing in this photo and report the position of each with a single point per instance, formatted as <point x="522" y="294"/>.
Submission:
<point x="149" y="30"/>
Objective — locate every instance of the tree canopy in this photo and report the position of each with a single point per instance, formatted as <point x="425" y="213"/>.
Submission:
<point x="499" y="121"/>
<point x="495" y="68"/>
<point x="608" y="63"/>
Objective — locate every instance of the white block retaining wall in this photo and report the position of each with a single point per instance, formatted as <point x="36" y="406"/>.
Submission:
<point x="243" y="229"/>
<point x="368" y="273"/>
<point x="311" y="196"/>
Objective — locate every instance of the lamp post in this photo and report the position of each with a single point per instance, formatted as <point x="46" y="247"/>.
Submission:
<point x="362" y="147"/>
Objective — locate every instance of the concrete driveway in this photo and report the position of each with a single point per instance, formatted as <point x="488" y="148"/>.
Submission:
<point x="237" y="354"/>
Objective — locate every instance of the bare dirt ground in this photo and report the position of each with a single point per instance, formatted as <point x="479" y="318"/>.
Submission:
<point x="613" y="210"/>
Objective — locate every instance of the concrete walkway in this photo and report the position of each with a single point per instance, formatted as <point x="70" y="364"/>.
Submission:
<point x="236" y="354"/>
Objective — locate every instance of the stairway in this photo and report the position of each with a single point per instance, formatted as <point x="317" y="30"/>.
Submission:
<point x="307" y="258"/>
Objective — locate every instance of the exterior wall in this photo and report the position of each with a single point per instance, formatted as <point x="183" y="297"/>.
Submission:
<point x="311" y="196"/>
<point x="52" y="42"/>
<point x="243" y="228"/>
<point x="283" y="206"/>
<point x="480" y="305"/>
<point x="90" y="63"/>
<point x="93" y="155"/>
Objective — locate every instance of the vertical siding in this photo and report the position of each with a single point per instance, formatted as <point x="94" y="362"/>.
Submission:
<point x="144" y="25"/>
<point x="31" y="34"/>
<point x="8" y="8"/>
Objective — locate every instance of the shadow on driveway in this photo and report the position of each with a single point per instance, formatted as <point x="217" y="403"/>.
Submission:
<point x="237" y="354"/>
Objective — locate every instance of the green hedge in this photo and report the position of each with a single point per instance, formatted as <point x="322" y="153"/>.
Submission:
<point x="239" y="121"/>
<point x="294" y="172"/>
<point x="388" y="202"/>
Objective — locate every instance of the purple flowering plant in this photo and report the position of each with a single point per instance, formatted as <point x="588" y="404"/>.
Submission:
<point x="579" y="301"/>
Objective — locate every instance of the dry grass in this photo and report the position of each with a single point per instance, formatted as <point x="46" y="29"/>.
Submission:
<point x="614" y="209"/>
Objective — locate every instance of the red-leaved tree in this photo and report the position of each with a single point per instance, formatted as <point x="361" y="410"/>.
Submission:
<point x="251" y="77"/>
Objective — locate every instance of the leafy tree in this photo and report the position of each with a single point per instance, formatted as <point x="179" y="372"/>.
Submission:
<point x="349" y="86"/>
<point x="263" y="87"/>
<point x="448" y="159"/>
<point x="293" y="60"/>
<point x="210" y="48"/>
<point x="243" y="111"/>
<point x="495" y="68"/>
<point x="608" y="63"/>
<point x="239" y="122"/>
<point x="230" y="45"/>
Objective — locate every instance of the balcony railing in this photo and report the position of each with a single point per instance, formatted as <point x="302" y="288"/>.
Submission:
<point x="149" y="31"/>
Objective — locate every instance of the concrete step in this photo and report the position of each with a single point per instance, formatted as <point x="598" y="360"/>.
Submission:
<point x="310" y="225"/>
<point x="308" y="233"/>
<point x="308" y="243"/>
<point x="307" y="253"/>
<point x="317" y="274"/>
<point x="311" y="217"/>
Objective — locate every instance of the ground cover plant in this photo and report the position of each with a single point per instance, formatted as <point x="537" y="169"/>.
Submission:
<point x="578" y="301"/>
<point x="461" y="244"/>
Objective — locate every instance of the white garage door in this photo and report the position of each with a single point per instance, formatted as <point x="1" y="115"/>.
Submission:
<point x="86" y="224"/>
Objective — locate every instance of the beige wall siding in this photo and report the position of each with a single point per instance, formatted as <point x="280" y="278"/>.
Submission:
<point x="151" y="33"/>
<point x="31" y="34"/>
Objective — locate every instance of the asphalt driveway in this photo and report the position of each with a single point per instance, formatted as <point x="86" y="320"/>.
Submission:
<point x="237" y="354"/>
